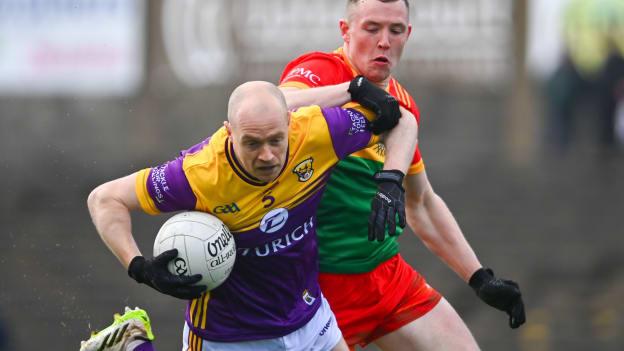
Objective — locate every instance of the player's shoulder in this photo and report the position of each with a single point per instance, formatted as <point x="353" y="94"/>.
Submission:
<point x="315" y="120"/>
<point x="314" y="112"/>
<point x="305" y="114"/>
<point x="308" y="129"/>
<point x="308" y="120"/>
<point x="316" y="67"/>
<point x="320" y="56"/>
<point x="207" y="152"/>
<point x="404" y="97"/>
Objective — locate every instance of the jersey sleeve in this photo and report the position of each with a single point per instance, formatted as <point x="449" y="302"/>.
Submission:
<point x="165" y="188"/>
<point x="417" y="165"/>
<point x="313" y="70"/>
<point x="348" y="128"/>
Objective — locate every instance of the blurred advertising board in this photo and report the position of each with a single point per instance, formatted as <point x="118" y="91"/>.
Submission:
<point x="68" y="48"/>
<point x="212" y="41"/>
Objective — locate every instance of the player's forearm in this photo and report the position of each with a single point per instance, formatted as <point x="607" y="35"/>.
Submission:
<point x="112" y="221"/>
<point x="400" y="143"/>
<point x="434" y="224"/>
<point x="328" y="96"/>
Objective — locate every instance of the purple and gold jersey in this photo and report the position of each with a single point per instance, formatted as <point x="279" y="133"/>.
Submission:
<point x="273" y="289"/>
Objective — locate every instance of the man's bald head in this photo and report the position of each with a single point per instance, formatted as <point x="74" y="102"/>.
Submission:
<point x="258" y="128"/>
<point x="256" y="99"/>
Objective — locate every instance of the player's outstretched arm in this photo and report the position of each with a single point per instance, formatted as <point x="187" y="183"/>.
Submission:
<point x="400" y="142"/>
<point x="327" y="96"/>
<point x="388" y="204"/>
<point x="432" y="221"/>
<point x="389" y="200"/>
<point x="110" y="205"/>
<point x="359" y="90"/>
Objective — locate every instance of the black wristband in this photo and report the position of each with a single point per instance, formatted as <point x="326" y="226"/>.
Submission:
<point x="392" y="175"/>
<point x="480" y="277"/>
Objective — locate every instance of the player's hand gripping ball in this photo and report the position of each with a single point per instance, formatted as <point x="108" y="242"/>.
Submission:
<point x="205" y="246"/>
<point x="193" y="252"/>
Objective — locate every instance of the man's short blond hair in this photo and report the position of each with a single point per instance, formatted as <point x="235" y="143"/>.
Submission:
<point x="353" y="3"/>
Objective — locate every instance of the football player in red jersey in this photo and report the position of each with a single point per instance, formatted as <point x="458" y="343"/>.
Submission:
<point x="376" y="296"/>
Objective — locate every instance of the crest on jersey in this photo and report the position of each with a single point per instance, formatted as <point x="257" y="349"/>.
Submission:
<point x="304" y="169"/>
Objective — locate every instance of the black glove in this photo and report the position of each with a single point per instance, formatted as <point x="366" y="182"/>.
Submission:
<point x="499" y="293"/>
<point x="389" y="201"/>
<point x="384" y="105"/>
<point x="154" y="273"/>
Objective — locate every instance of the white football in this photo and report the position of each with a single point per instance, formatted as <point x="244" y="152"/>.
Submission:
<point x="205" y="246"/>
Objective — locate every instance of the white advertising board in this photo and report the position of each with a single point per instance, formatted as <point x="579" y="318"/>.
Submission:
<point x="71" y="47"/>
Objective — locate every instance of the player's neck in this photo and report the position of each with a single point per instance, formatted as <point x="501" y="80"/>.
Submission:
<point x="384" y="84"/>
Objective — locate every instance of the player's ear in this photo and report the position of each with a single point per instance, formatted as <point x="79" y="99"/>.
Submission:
<point x="344" y="29"/>
<point x="409" y="29"/>
<point x="228" y="127"/>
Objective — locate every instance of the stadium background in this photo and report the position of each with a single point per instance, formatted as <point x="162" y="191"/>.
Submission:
<point x="75" y="116"/>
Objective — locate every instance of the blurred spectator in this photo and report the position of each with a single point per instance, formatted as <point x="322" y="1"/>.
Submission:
<point x="591" y="71"/>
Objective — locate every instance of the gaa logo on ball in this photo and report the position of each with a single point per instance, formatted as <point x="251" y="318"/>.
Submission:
<point x="205" y="246"/>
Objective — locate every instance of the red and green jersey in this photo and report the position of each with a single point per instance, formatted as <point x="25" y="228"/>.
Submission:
<point x="345" y="206"/>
